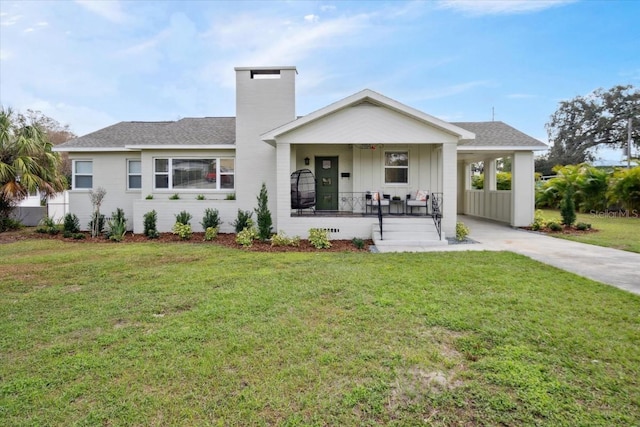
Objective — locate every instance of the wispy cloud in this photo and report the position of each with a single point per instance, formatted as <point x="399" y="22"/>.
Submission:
<point x="500" y="7"/>
<point x="110" y="10"/>
<point x="451" y="90"/>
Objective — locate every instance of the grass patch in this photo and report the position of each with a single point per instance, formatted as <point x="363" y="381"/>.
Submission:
<point x="614" y="230"/>
<point x="161" y="334"/>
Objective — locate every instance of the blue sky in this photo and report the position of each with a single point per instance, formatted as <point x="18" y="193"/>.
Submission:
<point x="90" y="64"/>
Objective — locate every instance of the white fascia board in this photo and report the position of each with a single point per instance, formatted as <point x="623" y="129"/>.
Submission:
<point x="91" y="149"/>
<point x="376" y="98"/>
<point x="181" y="147"/>
<point x="467" y="149"/>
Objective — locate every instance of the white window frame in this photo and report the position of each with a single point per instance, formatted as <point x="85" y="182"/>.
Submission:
<point x="406" y="152"/>
<point x="75" y="175"/>
<point x="169" y="173"/>
<point x="133" y="174"/>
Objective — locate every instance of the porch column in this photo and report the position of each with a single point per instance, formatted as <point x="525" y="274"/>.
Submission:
<point x="283" y="186"/>
<point x="490" y="178"/>
<point x="522" y="189"/>
<point x="464" y="183"/>
<point x="449" y="188"/>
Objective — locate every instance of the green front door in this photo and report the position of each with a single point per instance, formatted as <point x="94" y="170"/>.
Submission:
<point x="327" y="183"/>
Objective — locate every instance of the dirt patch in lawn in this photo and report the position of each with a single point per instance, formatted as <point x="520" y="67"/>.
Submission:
<point x="223" y="239"/>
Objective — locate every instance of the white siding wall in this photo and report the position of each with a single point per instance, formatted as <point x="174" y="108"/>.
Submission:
<point x="495" y="205"/>
<point x="367" y="124"/>
<point x="167" y="209"/>
<point x="110" y="173"/>
<point x="261" y="105"/>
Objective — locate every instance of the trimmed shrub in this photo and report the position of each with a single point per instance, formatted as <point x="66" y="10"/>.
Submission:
<point x="319" y="238"/>
<point x="358" y="243"/>
<point x="554" y="226"/>
<point x="71" y="223"/>
<point x="583" y="226"/>
<point x="150" y="230"/>
<point x="182" y="230"/>
<point x="243" y="220"/>
<point x="210" y="233"/>
<point x="281" y="239"/>
<point x="210" y="219"/>
<point x="568" y="208"/>
<point x="184" y="217"/>
<point x="263" y="214"/>
<point x="246" y="237"/>
<point x="462" y="231"/>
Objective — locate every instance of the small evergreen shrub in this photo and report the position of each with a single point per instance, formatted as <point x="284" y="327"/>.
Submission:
<point x="568" y="208"/>
<point x="150" y="230"/>
<point x="263" y="214"/>
<point x="246" y="237"/>
<point x="583" y="226"/>
<point x="243" y="220"/>
<point x="462" y="231"/>
<point x="281" y="239"/>
<point x="210" y="233"/>
<point x="149" y="197"/>
<point x="211" y="218"/>
<point x="71" y="224"/>
<point x="174" y="196"/>
<point x="48" y="225"/>
<point x="230" y="196"/>
<point x="358" y="243"/>
<point x="182" y="230"/>
<point x="319" y="238"/>
<point x="554" y="226"/>
<point x="184" y="217"/>
<point x="200" y="197"/>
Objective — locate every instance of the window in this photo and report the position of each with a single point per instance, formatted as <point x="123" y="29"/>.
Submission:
<point x="134" y="174"/>
<point x="82" y="174"/>
<point x="194" y="174"/>
<point x="396" y="167"/>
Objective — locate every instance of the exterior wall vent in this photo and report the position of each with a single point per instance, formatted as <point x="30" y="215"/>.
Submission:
<point x="265" y="74"/>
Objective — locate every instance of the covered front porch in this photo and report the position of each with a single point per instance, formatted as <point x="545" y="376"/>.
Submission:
<point x="360" y="148"/>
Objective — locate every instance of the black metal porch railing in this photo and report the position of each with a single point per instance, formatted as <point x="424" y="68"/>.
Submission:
<point x="436" y="211"/>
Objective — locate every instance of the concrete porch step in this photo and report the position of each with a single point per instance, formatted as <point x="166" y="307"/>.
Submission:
<point x="402" y="234"/>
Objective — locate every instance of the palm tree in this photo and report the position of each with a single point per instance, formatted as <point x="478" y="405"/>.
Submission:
<point x="27" y="164"/>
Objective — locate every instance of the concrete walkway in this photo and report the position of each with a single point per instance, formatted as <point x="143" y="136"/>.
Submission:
<point x="611" y="266"/>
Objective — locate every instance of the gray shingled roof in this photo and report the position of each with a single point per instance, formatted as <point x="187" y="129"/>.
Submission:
<point x="497" y="134"/>
<point x="222" y="130"/>
<point x="188" y="131"/>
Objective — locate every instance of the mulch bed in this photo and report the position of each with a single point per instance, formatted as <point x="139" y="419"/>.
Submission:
<point x="223" y="239"/>
<point x="565" y="230"/>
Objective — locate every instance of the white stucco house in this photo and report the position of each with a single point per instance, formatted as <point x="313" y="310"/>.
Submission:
<point x="358" y="146"/>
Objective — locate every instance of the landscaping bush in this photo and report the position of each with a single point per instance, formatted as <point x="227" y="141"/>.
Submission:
<point x="462" y="231"/>
<point x="150" y="230"/>
<point x="246" y="237"/>
<point x="263" y="214"/>
<point x="211" y="218"/>
<point x="358" y="243"/>
<point x="243" y="220"/>
<point x="624" y="188"/>
<point x="210" y="233"/>
<point x="48" y="225"/>
<point x="200" y="197"/>
<point x="184" y="217"/>
<point x="174" y="196"/>
<point x="319" y="238"/>
<point x="567" y="208"/>
<point x="539" y="222"/>
<point x="71" y="223"/>
<point x="117" y="226"/>
<point x="554" y="226"/>
<point x="7" y="224"/>
<point x="281" y="239"/>
<point x="583" y="226"/>
<point x="182" y="230"/>
<point x="503" y="181"/>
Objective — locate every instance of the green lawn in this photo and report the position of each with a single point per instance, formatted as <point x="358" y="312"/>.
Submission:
<point x="615" y="230"/>
<point x="184" y="334"/>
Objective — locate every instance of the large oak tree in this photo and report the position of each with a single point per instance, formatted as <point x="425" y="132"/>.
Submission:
<point x="599" y="119"/>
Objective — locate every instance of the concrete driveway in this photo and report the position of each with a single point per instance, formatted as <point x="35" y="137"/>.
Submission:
<point x="611" y="266"/>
